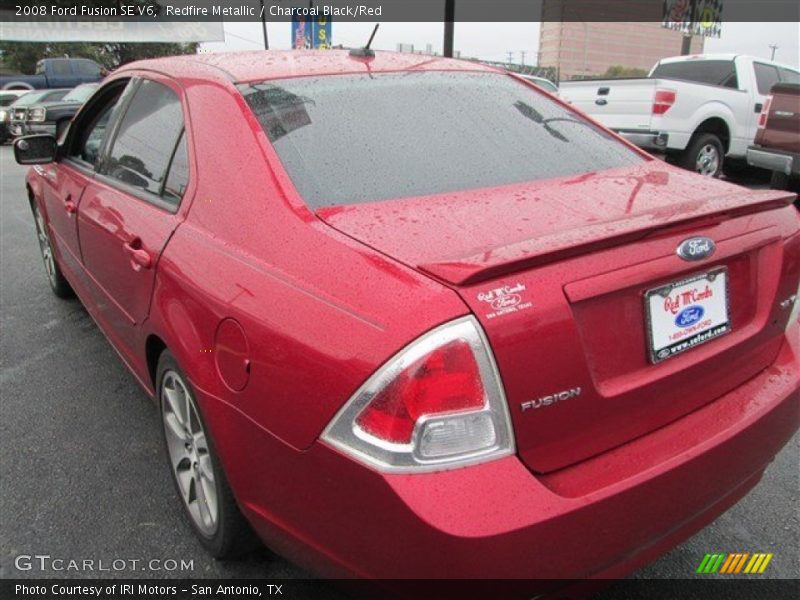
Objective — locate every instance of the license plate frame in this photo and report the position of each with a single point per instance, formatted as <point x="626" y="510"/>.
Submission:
<point x="658" y="353"/>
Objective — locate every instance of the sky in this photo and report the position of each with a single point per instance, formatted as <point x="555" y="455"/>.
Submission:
<point x="494" y="41"/>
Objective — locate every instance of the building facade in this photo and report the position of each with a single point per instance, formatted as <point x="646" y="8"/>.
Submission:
<point x="588" y="49"/>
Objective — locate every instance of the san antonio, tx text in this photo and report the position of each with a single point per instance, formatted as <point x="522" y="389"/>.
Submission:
<point x="130" y="589"/>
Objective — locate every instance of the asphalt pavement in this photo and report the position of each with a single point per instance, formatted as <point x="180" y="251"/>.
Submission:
<point x="83" y="473"/>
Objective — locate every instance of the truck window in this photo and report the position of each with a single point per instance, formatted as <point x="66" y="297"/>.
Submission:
<point x="60" y="68"/>
<point x="712" y="72"/>
<point x="766" y="77"/>
<point x="87" y="68"/>
<point x="789" y="76"/>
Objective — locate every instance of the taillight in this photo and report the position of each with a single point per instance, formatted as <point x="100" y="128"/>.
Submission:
<point x="437" y="404"/>
<point x="764" y="116"/>
<point x="663" y="101"/>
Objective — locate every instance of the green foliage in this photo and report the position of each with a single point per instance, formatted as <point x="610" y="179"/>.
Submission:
<point x="22" y="57"/>
<point x="618" y="71"/>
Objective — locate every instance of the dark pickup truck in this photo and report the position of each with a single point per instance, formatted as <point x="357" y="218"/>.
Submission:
<point x="55" y="73"/>
<point x="54" y="116"/>
<point x="777" y="142"/>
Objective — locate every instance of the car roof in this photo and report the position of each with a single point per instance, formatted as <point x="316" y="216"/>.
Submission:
<point x="282" y="64"/>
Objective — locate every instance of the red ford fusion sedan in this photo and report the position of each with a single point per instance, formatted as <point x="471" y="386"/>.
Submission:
<point x="411" y="317"/>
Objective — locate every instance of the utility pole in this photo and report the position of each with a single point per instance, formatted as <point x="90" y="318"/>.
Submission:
<point x="774" y="47"/>
<point x="522" y="57"/>
<point x="510" y="56"/>
<point x="264" y="25"/>
<point x="686" y="45"/>
<point x="449" y="17"/>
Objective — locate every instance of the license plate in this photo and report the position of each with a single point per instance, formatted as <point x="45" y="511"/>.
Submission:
<point x="686" y="314"/>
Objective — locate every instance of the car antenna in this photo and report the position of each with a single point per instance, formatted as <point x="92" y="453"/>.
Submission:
<point x="366" y="50"/>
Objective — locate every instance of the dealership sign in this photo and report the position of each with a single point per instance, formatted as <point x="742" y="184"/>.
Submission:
<point x="694" y="17"/>
<point x="313" y="31"/>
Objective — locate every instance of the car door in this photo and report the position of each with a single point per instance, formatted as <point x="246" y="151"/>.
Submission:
<point x="130" y="209"/>
<point x="64" y="182"/>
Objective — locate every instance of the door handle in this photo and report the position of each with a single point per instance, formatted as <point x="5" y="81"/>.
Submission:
<point x="70" y="206"/>
<point x="140" y="258"/>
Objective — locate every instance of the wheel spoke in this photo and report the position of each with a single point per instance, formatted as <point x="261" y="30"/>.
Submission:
<point x="209" y="503"/>
<point x="176" y="404"/>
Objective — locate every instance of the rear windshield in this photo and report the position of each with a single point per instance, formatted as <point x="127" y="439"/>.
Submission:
<point x="349" y="139"/>
<point x="713" y="72"/>
<point x="30" y="98"/>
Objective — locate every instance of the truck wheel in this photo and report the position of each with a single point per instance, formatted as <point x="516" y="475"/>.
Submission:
<point x="704" y="155"/>
<point x="782" y="181"/>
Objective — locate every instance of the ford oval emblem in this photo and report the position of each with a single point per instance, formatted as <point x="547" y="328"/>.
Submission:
<point x="696" y="248"/>
<point x="689" y="316"/>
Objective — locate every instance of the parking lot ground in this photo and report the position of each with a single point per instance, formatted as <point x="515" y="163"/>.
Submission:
<point x="83" y="475"/>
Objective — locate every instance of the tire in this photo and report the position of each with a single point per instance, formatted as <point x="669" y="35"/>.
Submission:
<point x="779" y="181"/>
<point x="704" y="154"/>
<point x="196" y="471"/>
<point x="55" y="277"/>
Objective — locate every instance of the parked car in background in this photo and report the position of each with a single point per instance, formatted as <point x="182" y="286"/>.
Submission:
<point x="53" y="116"/>
<point x="18" y="111"/>
<point x="543" y="83"/>
<point x="702" y="111"/>
<point x="421" y="320"/>
<point x="55" y="73"/>
<point x="7" y="98"/>
<point x="777" y="143"/>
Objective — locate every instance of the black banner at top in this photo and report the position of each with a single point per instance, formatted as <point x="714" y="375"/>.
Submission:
<point x="673" y="11"/>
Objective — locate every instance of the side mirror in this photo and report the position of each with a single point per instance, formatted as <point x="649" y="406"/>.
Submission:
<point x="35" y="149"/>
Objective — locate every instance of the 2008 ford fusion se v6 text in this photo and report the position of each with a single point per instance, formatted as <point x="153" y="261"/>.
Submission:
<point x="412" y="317"/>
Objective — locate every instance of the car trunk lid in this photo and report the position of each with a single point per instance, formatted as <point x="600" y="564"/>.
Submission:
<point x="557" y="271"/>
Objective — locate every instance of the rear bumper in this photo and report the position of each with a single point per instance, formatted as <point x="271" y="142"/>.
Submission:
<point x="648" y="140"/>
<point x="774" y="160"/>
<point x="601" y="518"/>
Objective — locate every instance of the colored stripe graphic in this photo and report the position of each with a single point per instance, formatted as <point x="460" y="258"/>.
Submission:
<point x="733" y="563"/>
<point x="703" y="563"/>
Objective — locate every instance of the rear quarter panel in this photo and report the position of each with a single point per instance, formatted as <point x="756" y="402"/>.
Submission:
<point x="320" y="313"/>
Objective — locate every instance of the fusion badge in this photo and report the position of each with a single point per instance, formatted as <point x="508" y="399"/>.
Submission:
<point x="552" y="399"/>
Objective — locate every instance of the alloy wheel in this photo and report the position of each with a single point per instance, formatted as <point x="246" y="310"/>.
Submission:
<point x="707" y="160"/>
<point x="45" y="247"/>
<point x="189" y="455"/>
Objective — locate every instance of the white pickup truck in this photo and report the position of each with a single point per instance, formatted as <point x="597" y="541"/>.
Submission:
<point x="702" y="110"/>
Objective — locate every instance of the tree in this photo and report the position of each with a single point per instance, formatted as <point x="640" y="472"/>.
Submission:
<point x="23" y="56"/>
<point x="618" y="71"/>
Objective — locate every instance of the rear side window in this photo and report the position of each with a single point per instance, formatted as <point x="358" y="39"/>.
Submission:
<point x="766" y="77"/>
<point x="87" y="68"/>
<point x="789" y="76"/>
<point x="146" y="139"/>
<point x="713" y="72"/>
<point x="349" y="139"/>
